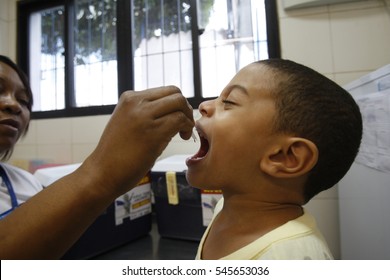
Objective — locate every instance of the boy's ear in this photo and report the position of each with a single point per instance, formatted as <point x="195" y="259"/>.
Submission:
<point x="292" y="157"/>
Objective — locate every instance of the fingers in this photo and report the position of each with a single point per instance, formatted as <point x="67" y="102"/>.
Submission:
<point x="186" y="134"/>
<point x="161" y="101"/>
<point x="160" y="92"/>
<point x="165" y="103"/>
<point x="171" y="103"/>
<point x="173" y="123"/>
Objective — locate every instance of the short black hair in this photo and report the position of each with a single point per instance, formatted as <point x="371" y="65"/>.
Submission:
<point x="311" y="106"/>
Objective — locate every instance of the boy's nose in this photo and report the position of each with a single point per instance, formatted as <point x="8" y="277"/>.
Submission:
<point x="207" y="108"/>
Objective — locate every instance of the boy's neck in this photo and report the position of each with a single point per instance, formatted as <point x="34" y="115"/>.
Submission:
<point x="242" y="221"/>
<point x="263" y="211"/>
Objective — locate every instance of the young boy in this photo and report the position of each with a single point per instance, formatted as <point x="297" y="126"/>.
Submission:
<point x="278" y="134"/>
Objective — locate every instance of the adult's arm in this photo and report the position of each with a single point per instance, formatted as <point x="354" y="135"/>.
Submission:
<point x="141" y="126"/>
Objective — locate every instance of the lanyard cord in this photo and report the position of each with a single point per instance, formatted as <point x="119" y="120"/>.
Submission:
<point x="10" y="189"/>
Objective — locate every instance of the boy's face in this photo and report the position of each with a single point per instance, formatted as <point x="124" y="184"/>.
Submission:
<point x="235" y="131"/>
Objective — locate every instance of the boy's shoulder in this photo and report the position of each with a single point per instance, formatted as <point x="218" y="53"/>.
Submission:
<point x="298" y="239"/>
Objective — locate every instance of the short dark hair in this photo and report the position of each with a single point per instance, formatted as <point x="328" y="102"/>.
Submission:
<point x="311" y="106"/>
<point x="4" y="59"/>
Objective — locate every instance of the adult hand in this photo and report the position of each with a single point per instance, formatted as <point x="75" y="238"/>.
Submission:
<point x="142" y="125"/>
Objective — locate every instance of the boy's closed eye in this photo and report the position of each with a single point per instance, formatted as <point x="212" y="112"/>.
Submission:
<point x="226" y="101"/>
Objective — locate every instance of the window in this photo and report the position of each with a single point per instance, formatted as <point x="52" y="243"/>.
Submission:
<point x="81" y="54"/>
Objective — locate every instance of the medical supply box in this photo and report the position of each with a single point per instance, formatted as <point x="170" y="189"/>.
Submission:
<point x="127" y="219"/>
<point x="182" y="211"/>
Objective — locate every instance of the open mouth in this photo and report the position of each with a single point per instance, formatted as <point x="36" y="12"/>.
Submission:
<point x="204" y="146"/>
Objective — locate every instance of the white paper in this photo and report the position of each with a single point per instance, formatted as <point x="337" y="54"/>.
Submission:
<point x="375" y="146"/>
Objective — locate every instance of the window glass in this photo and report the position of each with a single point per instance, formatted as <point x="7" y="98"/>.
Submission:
<point x="95" y="65"/>
<point x="162" y="45"/>
<point x="47" y="61"/>
<point x="95" y="72"/>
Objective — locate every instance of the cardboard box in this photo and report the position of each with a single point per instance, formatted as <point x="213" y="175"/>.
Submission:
<point x="128" y="218"/>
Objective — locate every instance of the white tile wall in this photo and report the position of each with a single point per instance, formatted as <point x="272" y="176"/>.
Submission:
<point x="12" y="38"/>
<point x="367" y="32"/>
<point x="81" y="151"/>
<point x="54" y="131"/>
<point x="342" y="41"/>
<point x="85" y="132"/>
<point x="307" y="40"/>
<point x="4" y="14"/>
<point x="58" y="153"/>
<point x="345" y="78"/>
<point x="12" y="10"/>
<point x="88" y="129"/>
<point x="8" y="28"/>
<point x="4" y="31"/>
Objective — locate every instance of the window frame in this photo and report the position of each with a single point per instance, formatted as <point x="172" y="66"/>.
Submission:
<point x="124" y="50"/>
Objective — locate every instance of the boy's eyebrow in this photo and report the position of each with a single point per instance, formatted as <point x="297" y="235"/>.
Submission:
<point x="240" y="88"/>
